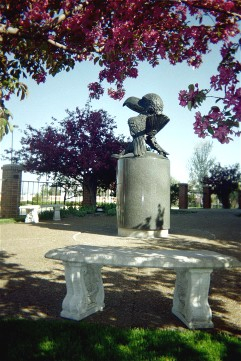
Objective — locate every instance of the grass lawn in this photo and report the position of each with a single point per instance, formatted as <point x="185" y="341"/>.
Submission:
<point x="11" y="220"/>
<point x="61" y="340"/>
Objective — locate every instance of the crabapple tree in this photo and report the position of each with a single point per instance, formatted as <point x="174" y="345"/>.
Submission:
<point x="78" y="148"/>
<point x="46" y="37"/>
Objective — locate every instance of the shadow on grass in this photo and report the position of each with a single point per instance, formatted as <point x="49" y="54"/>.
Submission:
<point x="64" y="341"/>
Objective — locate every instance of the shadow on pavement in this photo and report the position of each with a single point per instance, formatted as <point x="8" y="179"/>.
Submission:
<point x="134" y="297"/>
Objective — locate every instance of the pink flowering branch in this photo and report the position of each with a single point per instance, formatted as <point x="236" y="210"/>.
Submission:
<point x="219" y="124"/>
<point x="48" y="36"/>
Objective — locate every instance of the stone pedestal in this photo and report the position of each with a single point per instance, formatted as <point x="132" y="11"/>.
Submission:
<point x="143" y="196"/>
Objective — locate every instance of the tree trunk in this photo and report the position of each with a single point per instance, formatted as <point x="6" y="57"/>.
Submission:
<point x="224" y="199"/>
<point x="89" y="190"/>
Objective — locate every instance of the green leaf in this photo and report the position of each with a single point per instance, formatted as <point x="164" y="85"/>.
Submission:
<point x="189" y="105"/>
<point x="210" y="130"/>
<point x="11" y="127"/>
<point x="3" y="122"/>
<point x="22" y="95"/>
<point x="96" y="59"/>
<point x="232" y="123"/>
<point x="191" y="87"/>
<point x="6" y="111"/>
<point x="228" y="114"/>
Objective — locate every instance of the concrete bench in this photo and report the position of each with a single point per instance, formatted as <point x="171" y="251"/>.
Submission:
<point x="85" y="291"/>
<point x="31" y="213"/>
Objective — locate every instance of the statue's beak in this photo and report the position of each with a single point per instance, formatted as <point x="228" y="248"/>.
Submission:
<point x="133" y="103"/>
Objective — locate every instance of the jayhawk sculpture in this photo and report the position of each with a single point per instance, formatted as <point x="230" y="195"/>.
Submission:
<point x="147" y="123"/>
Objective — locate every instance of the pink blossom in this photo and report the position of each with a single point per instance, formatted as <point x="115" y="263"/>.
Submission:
<point x="116" y="94"/>
<point x="96" y="90"/>
<point x="183" y="98"/>
<point x="118" y="35"/>
<point x="200" y="125"/>
<point x="40" y="77"/>
<point x="221" y="133"/>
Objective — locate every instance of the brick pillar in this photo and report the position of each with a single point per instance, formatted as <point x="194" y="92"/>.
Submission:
<point x="11" y="190"/>
<point x="239" y="199"/>
<point x="206" y="197"/>
<point x="183" y="196"/>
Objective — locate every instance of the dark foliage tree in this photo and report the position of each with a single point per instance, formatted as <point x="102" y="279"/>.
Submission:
<point x="223" y="181"/>
<point x="78" y="148"/>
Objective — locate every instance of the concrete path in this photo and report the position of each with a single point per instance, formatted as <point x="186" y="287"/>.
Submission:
<point x="34" y="287"/>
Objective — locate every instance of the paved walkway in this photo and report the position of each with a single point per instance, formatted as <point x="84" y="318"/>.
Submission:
<point x="34" y="287"/>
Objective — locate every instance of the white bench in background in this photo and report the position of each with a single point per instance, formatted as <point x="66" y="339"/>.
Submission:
<point x="32" y="212"/>
<point x="85" y="291"/>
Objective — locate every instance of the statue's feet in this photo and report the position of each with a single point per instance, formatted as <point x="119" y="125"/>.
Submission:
<point x="117" y="156"/>
<point x="163" y="153"/>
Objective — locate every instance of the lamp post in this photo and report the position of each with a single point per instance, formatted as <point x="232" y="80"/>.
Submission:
<point x="14" y="126"/>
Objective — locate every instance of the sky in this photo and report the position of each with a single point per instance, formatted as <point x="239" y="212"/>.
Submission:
<point x="68" y="90"/>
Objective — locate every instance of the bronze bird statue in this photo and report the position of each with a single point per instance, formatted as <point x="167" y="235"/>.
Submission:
<point x="145" y="126"/>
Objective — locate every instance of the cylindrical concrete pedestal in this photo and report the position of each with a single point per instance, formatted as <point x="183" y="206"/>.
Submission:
<point x="143" y="196"/>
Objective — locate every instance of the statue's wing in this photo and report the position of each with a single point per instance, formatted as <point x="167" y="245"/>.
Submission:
<point x="137" y="125"/>
<point x="155" y="122"/>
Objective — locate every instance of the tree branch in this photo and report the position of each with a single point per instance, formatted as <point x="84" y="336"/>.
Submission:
<point x="4" y="29"/>
<point x="61" y="46"/>
<point x="208" y="8"/>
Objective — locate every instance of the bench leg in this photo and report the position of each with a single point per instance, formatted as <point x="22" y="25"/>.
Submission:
<point x="32" y="216"/>
<point x="56" y="216"/>
<point x="85" y="291"/>
<point x="190" y="303"/>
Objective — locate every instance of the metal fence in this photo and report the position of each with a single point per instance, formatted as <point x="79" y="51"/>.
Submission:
<point x="46" y="193"/>
<point x="35" y="192"/>
<point x="195" y="200"/>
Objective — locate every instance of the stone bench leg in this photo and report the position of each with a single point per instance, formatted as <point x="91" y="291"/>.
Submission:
<point x="56" y="216"/>
<point x="31" y="216"/>
<point x="85" y="291"/>
<point x="190" y="303"/>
